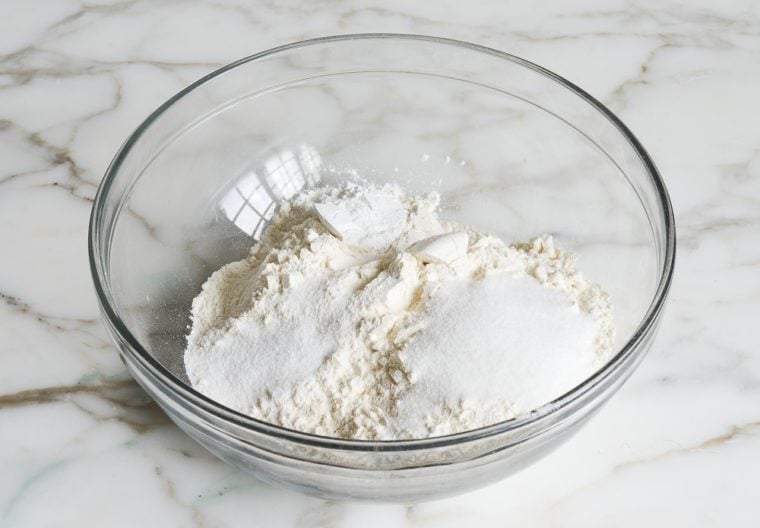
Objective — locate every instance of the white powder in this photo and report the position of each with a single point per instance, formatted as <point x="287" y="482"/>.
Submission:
<point x="361" y="315"/>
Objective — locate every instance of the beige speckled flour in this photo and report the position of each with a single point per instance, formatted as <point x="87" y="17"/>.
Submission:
<point x="362" y="315"/>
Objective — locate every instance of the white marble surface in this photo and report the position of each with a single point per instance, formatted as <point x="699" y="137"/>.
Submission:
<point x="81" y="445"/>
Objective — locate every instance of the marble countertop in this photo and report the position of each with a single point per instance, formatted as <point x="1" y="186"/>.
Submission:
<point x="81" y="444"/>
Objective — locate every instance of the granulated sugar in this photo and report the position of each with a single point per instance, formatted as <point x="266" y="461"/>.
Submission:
<point x="361" y="315"/>
<point x="497" y="340"/>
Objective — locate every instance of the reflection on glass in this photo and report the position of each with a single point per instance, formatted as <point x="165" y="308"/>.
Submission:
<point x="250" y="204"/>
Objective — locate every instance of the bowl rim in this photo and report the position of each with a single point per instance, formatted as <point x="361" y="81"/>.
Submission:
<point x="219" y="411"/>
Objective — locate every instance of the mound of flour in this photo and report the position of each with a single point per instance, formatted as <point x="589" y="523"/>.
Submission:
<point x="360" y="314"/>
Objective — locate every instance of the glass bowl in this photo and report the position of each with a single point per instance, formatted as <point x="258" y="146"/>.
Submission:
<point x="512" y="148"/>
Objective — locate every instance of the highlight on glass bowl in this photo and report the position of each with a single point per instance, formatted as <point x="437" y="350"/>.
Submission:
<point x="382" y="267"/>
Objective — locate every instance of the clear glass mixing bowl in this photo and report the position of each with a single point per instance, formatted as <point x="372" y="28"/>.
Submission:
<point x="513" y="149"/>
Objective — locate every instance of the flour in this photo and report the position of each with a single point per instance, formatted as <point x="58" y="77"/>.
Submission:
<point x="360" y="314"/>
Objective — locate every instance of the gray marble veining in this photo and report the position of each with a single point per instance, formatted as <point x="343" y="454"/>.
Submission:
<point x="81" y="445"/>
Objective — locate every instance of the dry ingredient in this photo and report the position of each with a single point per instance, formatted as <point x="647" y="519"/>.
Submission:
<point x="361" y="314"/>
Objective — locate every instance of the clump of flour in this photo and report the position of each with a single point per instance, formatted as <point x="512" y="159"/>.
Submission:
<point x="360" y="314"/>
